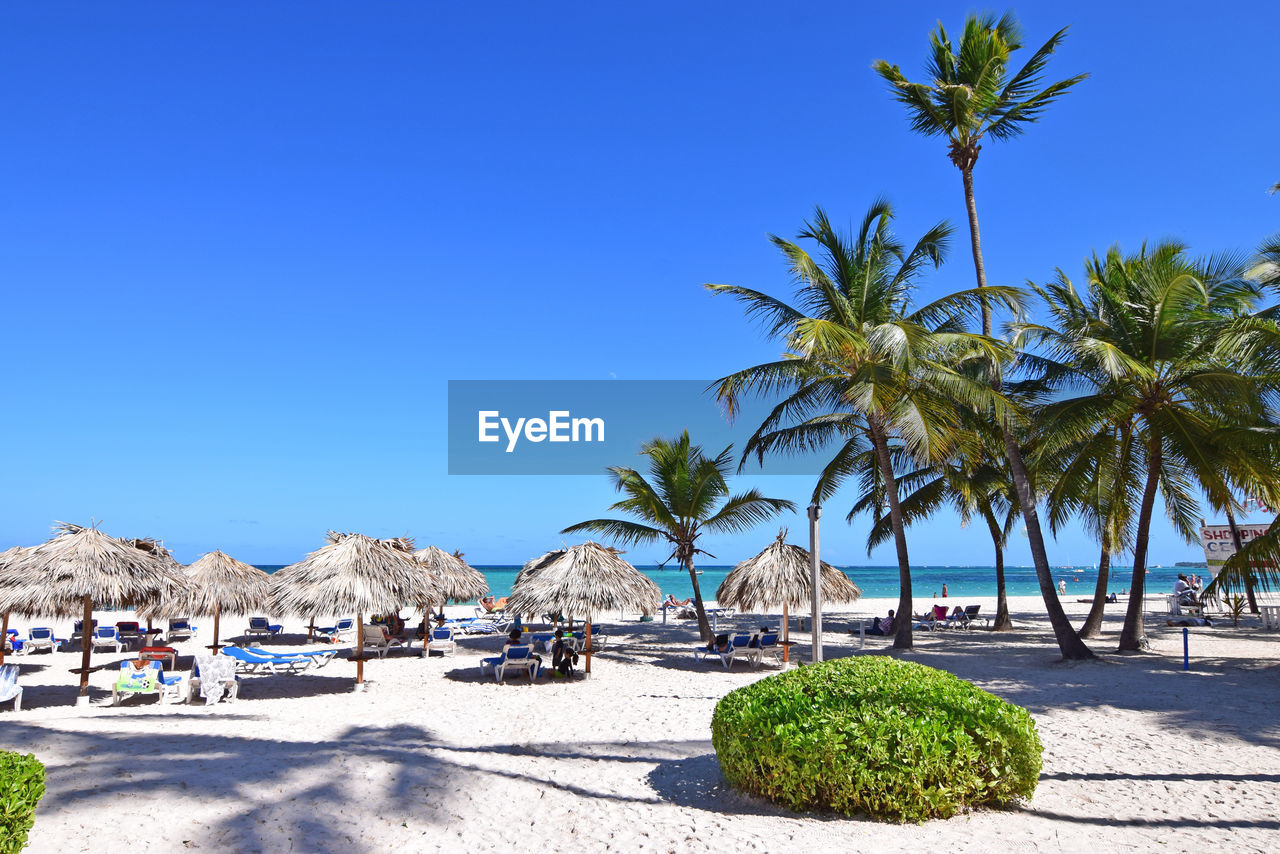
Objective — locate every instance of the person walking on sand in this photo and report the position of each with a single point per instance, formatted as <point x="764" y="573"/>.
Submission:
<point x="1062" y="586"/>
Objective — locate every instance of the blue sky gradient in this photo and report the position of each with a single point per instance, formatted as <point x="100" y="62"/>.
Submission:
<point x="246" y="245"/>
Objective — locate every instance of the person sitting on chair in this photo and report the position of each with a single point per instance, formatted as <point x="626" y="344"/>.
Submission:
<point x="516" y="638"/>
<point x="882" y="627"/>
<point x="1183" y="592"/>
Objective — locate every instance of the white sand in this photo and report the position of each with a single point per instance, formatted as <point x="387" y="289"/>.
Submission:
<point x="1138" y="754"/>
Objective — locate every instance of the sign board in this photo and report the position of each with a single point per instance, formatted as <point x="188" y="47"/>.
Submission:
<point x="1218" y="544"/>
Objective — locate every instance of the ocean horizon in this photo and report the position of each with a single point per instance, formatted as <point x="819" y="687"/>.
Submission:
<point x="880" y="582"/>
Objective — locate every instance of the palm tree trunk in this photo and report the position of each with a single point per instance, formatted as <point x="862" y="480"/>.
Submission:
<point x="1093" y="622"/>
<point x="975" y="241"/>
<point x="704" y="625"/>
<point x="1131" y="636"/>
<point x="1069" y="642"/>
<point x="902" y="638"/>
<point x="1248" y="574"/>
<point x="1003" y="622"/>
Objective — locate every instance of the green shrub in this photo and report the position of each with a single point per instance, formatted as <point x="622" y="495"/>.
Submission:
<point x="21" y="788"/>
<point x="875" y="735"/>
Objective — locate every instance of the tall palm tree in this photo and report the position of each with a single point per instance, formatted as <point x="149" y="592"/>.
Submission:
<point x="972" y="95"/>
<point x="862" y="369"/>
<point x="685" y="496"/>
<point x="1142" y="346"/>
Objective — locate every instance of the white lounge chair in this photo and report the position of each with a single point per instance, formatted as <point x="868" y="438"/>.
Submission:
<point x="516" y="659"/>
<point x="179" y="630"/>
<point x="214" y="677"/>
<point x="9" y="687"/>
<point x="41" y="638"/>
<point x="344" y="629"/>
<point x="107" y="636"/>
<point x="148" y="680"/>
<point x="767" y="644"/>
<point x="262" y="626"/>
<point x="441" y="640"/>
<point x="377" y="641"/>
<point x="735" y="644"/>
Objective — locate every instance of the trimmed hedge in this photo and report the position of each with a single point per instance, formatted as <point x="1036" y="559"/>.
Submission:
<point x="875" y="735"/>
<point x="21" y="788"/>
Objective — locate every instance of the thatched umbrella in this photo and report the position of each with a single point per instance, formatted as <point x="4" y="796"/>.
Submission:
<point x="354" y="572"/>
<point x="585" y="579"/>
<point x="457" y="581"/>
<point x="80" y="567"/>
<point x="780" y="575"/>
<point x="7" y="581"/>
<point x="219" y="583"/>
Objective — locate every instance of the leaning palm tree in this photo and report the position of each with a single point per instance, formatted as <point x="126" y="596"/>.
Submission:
<point x="1142" y="345"/>
<point x="685" y="496"/>
<point x="971" y="96"/>
<point x="862" y="370"/>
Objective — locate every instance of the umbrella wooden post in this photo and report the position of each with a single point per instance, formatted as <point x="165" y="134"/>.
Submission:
<point x="786" y="637"/>
<point x="85" y="651"/>
<point x="311" y="629"/>
<point x="359" y="651"/>
<point x="215" y="646"/>
<point x="587" y="669"/>
<point x="4" y="637"/>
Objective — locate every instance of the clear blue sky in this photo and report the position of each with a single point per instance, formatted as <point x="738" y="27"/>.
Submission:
<point x="244" y="246"/>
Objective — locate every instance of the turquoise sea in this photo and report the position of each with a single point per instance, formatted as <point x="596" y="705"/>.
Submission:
<point x="882" y="581"/>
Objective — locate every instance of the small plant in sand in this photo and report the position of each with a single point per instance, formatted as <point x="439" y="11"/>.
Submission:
<point x="892" y="739"/>
<point x="21" y="788"/>
<point x="1236" y="605"/>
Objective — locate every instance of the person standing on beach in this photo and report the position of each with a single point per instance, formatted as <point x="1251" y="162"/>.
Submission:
<point x="1062" y="586"/>
<point x="944" y="591"/>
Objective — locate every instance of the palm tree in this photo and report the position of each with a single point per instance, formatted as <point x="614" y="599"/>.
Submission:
<point x="972" y="96"/>
<point x="1143" y="347"/>
<point x="861" y="369"/>
<point x="685" y="496"/>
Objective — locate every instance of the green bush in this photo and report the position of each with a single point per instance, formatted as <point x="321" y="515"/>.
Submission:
<point x="21" y="788"/>
<point x="875" y="735"/>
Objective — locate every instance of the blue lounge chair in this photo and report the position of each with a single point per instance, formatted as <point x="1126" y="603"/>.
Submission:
<point x="516" y="659"/>
<point x="179" y="630"/>
<point x="107" y="636"/>
<point x="261" y="626"/>
<point x="77" y="630"/>
<point x="344" y="629"/>
<point x="441" y="640"/>
<point x="9" y="687"/>
<point x="726" y="653"/>
<point x="41" y="638"/>
<point x="767" y="644"/>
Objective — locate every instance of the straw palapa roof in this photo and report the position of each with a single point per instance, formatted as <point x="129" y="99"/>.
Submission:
<point x="53" y="579"/>
<point x="780" y="575"/>
<point x="456" y="580"/>
<point x="583" y="580"/>
<point x="353" y="572"/>
<point x="218" y="584"/>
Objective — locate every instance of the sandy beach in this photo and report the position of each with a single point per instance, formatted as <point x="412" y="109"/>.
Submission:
<point x="1139" y="755"/>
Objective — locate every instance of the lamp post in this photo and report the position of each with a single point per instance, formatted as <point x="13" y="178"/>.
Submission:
<point x="815" y="576"/>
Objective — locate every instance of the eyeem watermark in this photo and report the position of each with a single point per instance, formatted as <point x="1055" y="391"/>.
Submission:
<point x="581" y="427"/>
<point x="558" y="426"/>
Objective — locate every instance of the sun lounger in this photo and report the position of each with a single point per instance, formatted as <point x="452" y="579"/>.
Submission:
<point x="971" y="616"/>
<point x="130" y="631"/>
<point x="148" y="680"/>
<point x="767" y="644"/>
<point x="516" y="659"/>
<point x="344" y="629"/>
<point x="41" y="638"/>
<point x="179" y="630"/>
<point x="261" y="626"/>
<point x="476" y="626"/>
<point x="377" y="641"/>
<point x="9" y="687"/>
<point x="12" y="643"/>
<point x="441" y="641"/>
<point x="729" y="650"/>
<point x="252" y="660"/>
<point x="214" y="677"/>
<point x="107" y="636"/>
<point x="77" y="630"/>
